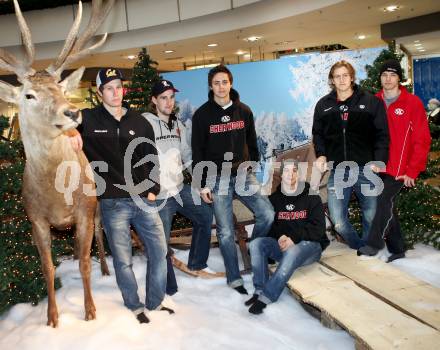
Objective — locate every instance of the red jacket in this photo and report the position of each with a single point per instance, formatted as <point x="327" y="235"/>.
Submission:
<point x="409" y="135"/>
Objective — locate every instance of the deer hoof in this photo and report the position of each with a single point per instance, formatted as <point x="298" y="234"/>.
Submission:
<point x="52" y="320"/>
<point x="91" y="313"/>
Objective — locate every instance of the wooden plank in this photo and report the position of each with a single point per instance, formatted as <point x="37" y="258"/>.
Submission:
<point x="373" y="323"/>
<point x="406" y="293"/>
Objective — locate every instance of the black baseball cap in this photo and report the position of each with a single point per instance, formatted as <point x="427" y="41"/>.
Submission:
<point x="108" y="74"/>
<point x="162" y="86"/>
<point x="393" y="66"/>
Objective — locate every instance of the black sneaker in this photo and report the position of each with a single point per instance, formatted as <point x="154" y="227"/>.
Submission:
<point x="396" y="256"/>
<point x="241" y="290"/>
<point x="257" y="307"/>
<point x="142" y="318"/>
<point x="367" y="250"/>
<point x="252" y="300"/>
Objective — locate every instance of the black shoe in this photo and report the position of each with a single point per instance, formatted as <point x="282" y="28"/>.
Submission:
<point x="393" y="257"/>
<point x="164" y="308"/>
<point x="142" y="318"/>
<point x="251" y="300"/>
<point x="367" y="250"/>
<point x="257" y="307"/>
<point x="241" y="290"/>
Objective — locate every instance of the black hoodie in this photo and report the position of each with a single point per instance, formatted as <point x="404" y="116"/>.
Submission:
<point x="299" y="216"/>
<point x="216" y="131"/>
<point x="352" y="130"/>
<point x="106" y="139"/>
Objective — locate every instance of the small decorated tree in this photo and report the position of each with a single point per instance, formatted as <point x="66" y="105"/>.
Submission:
<point x="372" y="83"/>
<point x="144" y="76"/>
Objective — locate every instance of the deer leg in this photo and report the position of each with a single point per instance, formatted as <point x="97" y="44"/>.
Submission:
<point x="99" y="237"/>
<point x="42" y="239"/>
<point x="84" y="236"/>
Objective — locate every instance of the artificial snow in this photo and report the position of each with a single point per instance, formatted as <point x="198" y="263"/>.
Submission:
<point x="209" y="315"/>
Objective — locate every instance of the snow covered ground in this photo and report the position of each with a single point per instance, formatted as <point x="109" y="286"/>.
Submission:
<point x="209" y="315"/>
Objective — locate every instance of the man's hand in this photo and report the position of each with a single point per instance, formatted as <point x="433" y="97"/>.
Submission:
<point x="375" y="168"/>
<point x="206" y="195"/>
<point x="407" y="181"/>
<point x="151" y="196"/>
<point x="75" y="139"/>
<point x="285" y="243"/>
<point x="321" y="164"/>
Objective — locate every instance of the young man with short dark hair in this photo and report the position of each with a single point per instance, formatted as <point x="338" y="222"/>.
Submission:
<point x="223" y="135"/>
<point x="175" y="196"/>
<point x="107" y="132"/>
<point x="297" y="238"/>
<point x="409" y="147"/>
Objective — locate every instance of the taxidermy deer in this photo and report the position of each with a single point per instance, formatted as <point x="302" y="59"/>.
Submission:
<point x="45" y="115"/>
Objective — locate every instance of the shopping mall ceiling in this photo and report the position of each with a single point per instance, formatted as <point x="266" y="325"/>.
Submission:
<point x="353" y="24"/>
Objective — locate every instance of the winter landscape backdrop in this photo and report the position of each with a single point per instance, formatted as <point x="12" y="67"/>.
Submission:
<point x="281" y="93"/>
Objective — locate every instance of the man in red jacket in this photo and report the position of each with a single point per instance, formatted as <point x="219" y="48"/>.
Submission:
<point x="409" y="146"/>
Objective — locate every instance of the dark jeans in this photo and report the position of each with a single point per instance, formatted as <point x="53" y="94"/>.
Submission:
<point x="201" y="217"/>
<point x="385" y="225"/>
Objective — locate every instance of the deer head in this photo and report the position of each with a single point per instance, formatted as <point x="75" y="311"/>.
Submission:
<point x="43" y="106"/>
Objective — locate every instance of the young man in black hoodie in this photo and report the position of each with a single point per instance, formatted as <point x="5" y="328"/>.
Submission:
<point x="350" y="131"/>
<point x="297" y="238"/>
<point x="224" y="140"/>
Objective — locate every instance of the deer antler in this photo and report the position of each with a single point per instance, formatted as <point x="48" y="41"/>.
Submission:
<point x="73" y="48"/>
<point x="8" y="61"/>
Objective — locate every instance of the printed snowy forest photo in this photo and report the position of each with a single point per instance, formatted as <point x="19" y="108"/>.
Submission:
<point x="281" y="93"/>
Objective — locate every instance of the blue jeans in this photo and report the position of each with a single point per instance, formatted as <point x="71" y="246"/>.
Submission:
<point x="117" y="216"/>
<point x="201" y="217"/>
<point x="338" y="201"/>
<point x="270" y="289"/>
<point x="260" y="205"/>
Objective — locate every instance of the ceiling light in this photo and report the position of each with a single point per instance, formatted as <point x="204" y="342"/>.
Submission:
<point x="416" y="41"/>
<point x="253" y="38"/>
<point x="240" y="52"/>
<point x="131" y="57"/>
<point x="361" y="37"/>
<point x="419" y="44"/>
<point x="391" y="8"/>
<point x="168" y="51"/>
<point x="422" y="50"/>
<point x="213" y="45"/>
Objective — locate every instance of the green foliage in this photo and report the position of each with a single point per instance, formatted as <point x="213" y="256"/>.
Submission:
<point x="372" y="83"/>
<point x="144" y="76"/>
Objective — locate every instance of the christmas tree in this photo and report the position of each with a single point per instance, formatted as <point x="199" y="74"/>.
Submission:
<point x="21" y="278"/>
<point x="144" y="76"/>
<point x="372" y="83"/>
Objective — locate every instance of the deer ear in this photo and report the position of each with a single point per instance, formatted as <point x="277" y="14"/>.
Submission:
<point x="9" y="93"/>
<point x="72" y="81"/>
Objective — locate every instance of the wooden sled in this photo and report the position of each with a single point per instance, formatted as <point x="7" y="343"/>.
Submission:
<point x="199" y="273"/>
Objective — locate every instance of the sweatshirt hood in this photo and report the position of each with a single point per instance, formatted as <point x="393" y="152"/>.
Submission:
<point x="233" y="94"/>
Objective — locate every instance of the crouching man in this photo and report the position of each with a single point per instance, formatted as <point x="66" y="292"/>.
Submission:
<point x="297" y="238"/>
